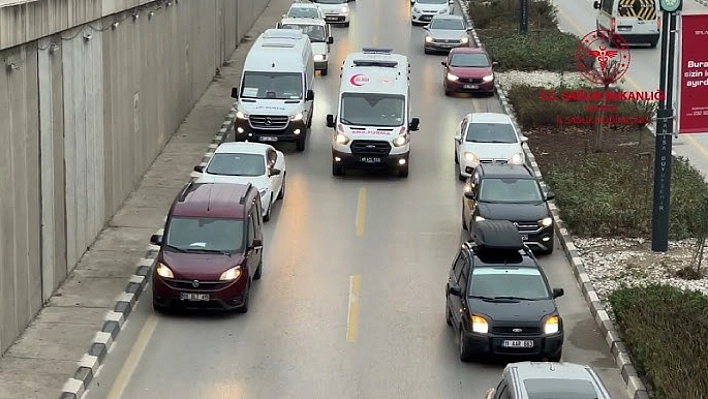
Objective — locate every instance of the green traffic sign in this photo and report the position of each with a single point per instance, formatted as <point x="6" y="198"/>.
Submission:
<point x="671" y="5"/>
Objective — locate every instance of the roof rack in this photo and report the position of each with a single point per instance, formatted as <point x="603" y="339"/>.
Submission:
<point x="375" y="63"/>
<point x="376" y="50"/>
<point x="497" y="235"/>
<point x="245" y="194"/>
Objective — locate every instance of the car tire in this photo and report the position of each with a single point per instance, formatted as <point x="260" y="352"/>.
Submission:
<point x="447" y="94"/>
<point x="550" y="250"/>
<point x="281" y="194"/>
<point x="337" y="170"/>
<point x="426" y="51"/>
<point x="464" y="220"/>
<point x="461" y="177"/>
<point x="556" y="357"/>
<point x="266" y="218"/>
<point x="457" y="161"/>
<point x="403" y="171"/>
<point x="448" y="316"/>
<point x="300" y="145"/>
<point x="159" y="308"/>
<point x="259" y="270"/>
<point x="465" y="353"/>
<point x="653" y="44"/>
<point x="324" y="72"/>
<point x="244" y="308"/>
<point x="346" y="24"/>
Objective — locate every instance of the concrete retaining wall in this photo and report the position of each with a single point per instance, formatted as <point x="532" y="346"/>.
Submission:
<point x="84" y="111"/>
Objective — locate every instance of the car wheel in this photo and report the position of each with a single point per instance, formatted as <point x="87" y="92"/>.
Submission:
<point x="244" y="308"/>
<point x="337" y="169"/>
<point x="281" y="194"/>
<point x="457" y="161"/>
<point x="159" y="308"/>
<point x="324" y="72"/>
<point x="448" y="316"/>
<point x="426" y="51"/>
<point x="300" y="145"/>
<point x="653" y="44"/>
<point x="464" y="220"/>
<point x="447" y="92"/>
<point x="259" y="270"/>
<point x="266" y="218"/>
<point x="550" y="249"/>
<point x="403" y="171"/>
<point x="346" y="24"/>
<point x="461" y="177"/>
<point x="465" y="354"/>
<point x="556" y="357"/>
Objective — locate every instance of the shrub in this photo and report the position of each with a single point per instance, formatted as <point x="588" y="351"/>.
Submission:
<point x="550" y="51"/>
<point x="533" y="111"/>
<point x="503" y="14"/>
<point x="602" y="196"/>
<point x="666" y="330"/>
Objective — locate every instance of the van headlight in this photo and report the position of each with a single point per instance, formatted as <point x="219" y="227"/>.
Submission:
<point x="479" y="324"/>
<point x="516" y="159"/>
<point x="400" y="141"/>
<point x="319" y="57"/>
<point x="345" y="10"/>
<point x="231" y="274"/>
<point x="464" y="40"/>
<point x="488" y="78"/>
<point x="452" y="77"/>
<point x="428" y="39"/>
<point x="470" y="157"/>
<point x="545" y="222"/>
<point x="478" y="218"/>
<point x="341" y="139"/>
<point x="552" y="325"/>
<point x="164" y="271"/>
<point x="296" y="117"/>
<point x="241" y="115"/>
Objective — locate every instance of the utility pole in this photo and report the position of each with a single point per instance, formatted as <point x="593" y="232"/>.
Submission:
<point x="664" y="129"/>
<point x="523" y="16"/>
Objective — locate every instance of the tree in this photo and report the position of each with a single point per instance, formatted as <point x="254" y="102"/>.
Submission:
<point x="607" y="75"/>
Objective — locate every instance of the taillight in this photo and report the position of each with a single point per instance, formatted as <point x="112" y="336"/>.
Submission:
<point x="658" y="23"/>
<point x="613" y="24"/>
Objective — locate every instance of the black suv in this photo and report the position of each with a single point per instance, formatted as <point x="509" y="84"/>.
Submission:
<point x="510" y="192"/>
<point x="498" y="299"/>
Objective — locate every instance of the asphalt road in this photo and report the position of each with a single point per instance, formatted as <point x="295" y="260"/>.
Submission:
<point x="578" y="17"/>
<point x="351" y="300"/>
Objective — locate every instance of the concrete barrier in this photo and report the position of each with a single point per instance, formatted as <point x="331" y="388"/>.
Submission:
<point x="90" y="92"/>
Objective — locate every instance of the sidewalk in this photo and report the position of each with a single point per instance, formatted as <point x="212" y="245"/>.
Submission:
<point x="39" y="363"/>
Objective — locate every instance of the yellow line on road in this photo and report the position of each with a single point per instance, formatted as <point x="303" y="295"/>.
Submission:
<point x="361" y="212"/>
<point x="700" y="147"/>
<point x="353" y="308"/>
<point x="375" y="40"/>
<point x="475" y="105"/>
<point x="376" y="20"/>
<point x="136" y="353"/>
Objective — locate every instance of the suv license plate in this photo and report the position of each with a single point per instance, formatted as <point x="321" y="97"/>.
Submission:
<point x="471" y="87"/>
<point x="518" y="344"/>
<point x="268" y="138"/>
<point x="370" y="159"/>
<point x="186" y="296"/>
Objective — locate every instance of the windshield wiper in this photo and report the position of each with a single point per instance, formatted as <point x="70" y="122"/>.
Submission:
<point x="177" y="249"/>
<point x="513" y="298"/>
<point x="214" y="251"/>
<point x="484" y="298"/>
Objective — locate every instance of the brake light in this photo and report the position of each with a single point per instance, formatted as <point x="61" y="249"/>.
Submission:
<point x="613" y="24"/>
<point x="658" y="23"/>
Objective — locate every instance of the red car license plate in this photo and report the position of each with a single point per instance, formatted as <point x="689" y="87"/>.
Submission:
<point x="188" y="296"/>
<point x="471" y="86"/>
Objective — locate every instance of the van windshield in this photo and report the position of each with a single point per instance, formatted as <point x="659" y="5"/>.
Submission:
<point x="316" y="33"/>
<point x="193" y="234"/>
<point x="272" y="85"/>
<point x="372" y="109"/>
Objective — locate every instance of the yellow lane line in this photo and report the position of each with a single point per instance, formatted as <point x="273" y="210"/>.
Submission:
<point x="361" y="212"/>
<point x="700" y="147"/>
<point x="375" y="40"/>
<point x="376" y="20"/>
<point x="353" y="308"/>
<point x="475" y="105"/>
<point x="136" y="353"/>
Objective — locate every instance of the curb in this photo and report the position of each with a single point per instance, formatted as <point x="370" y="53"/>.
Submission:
<point x="635" y="386"/>
<point x="115" y="319"/>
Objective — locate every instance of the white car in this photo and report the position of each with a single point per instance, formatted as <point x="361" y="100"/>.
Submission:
<point x="424" y="10"/>
<point x="243" y="163"/>
<point x="487" y="137"/>
<point x="336" y="11"/>
<point x="304" y="10"/>
<point x="320" y="35"/>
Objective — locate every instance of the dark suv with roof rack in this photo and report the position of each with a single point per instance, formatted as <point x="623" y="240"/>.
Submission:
<point x="212" y="248"/>
<point x="510" y="192"/>
<point x="498" y="299"/>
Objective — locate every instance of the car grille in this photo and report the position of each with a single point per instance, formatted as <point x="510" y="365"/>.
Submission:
<point x="203" y="285"/>
<point x="494" y="161"/>
<point x="426" y="17"/>
<point x="525" y="331"/>
<point x="470" y="80"/>
<point x="370" y="147"/>
<point x="268" y="121"/>
<point x="446" y="40"/>
<point x="527" y="226"/>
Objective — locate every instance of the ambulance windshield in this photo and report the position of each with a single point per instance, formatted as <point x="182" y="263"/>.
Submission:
<point x="372" y="109"/>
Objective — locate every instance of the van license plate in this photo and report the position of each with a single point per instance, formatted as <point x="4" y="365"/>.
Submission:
<point x="268" y="138"/>
<point x="186" y="296"/>
<point x="370" y="159"/>
<point x="471" y="87"/>
<point x="518" y="344"/>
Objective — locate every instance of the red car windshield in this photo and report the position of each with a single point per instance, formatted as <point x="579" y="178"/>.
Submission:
<point x="467" y="60"/>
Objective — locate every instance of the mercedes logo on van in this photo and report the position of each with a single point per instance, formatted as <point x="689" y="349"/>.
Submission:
<point x="269" y="121"/>
<point x="195" y="283"/>
<point x="517" y="330"/>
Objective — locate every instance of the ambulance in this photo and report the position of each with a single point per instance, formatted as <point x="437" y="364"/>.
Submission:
<point x="373" y="121"/>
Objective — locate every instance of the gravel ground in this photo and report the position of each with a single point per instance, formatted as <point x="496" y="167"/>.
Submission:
<point x="550" y="80"/>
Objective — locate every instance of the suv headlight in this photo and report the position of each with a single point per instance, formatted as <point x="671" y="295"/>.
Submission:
<point x="464" y="40"/>
<point x="516" y="159"/>
<point x="470" y="157"/>
<point x="488" y="78"/>
<point x="444" y="11"/>
<point x="319" y="57"/>
<point x="545" y="222"/>
<point x="416" y="10"/>
<point x="479" y="324"/>
<point x="241" y="115"/>
<point x="164" y="271"/>
<point x="400" y="141"/>
<point x="552" y="325"/>
<point x="231" y="274"/>
<point x="452" y="77"/>
<point x="478" y="218"/>
<point x="345" y="10"/>
<point x="296" y="117"/>
<point x="428" y="39"/>
<point x="341" y="139"/>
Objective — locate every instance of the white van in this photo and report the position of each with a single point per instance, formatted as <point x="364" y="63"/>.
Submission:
<point x="636" y="21"/>
<point x="320" y="34"/>
<point x="373" y="122"/>
<point x="275" y="97"/>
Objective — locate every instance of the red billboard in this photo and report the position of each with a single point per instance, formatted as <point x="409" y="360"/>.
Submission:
<point x="693" y="105"/>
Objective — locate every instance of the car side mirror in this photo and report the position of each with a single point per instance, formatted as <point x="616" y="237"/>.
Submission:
<point x="596" y="5"/>
<point x="443" y="63"/>
<point x="558" y="292"/>
<point x="330" y="121"/>
<point x="234" y="92"/>
<point x="495" y="63"/>
<point x="455" y="290"/>
<point x="550" y="195"/>
<point x="257" y="244"/>
<point x="156" y="239"/>
<point x="330" y="40"/>
<point x="524" y="139"/>
<point x="310" y="95"/>
<point x="469" y="29"/>
<point x="451" y="2"/>
<point x="426" y="28"/>
<point x="275" y="172"/>
<point x="469" y="195"/>
<point x="414" y="125"/>
<point x="199" y="168"/>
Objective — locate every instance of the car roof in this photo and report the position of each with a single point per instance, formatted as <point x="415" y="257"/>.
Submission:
<point x="303" y="21"/>
<point x="497" y="235"/>
<point x="448" y="16"/>
<point x="489" y="117"/>
<point x="506" y="171"/>
<point x="305" y="5"/>
<point x="546" y="370"/>
<point x="216" y="200"/>
<point x="243" y="148"/>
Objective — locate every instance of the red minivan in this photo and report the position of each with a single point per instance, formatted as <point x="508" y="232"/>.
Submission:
<point x="211" y="249"/>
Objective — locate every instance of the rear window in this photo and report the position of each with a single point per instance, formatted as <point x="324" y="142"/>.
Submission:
<point x="641" y="9"/>
<point x="558" y="388"/>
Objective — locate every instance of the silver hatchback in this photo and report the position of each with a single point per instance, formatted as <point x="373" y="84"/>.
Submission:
<point x="446" y="32"/>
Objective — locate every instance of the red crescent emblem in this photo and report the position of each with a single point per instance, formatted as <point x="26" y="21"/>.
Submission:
<point x="358" y="80"/>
